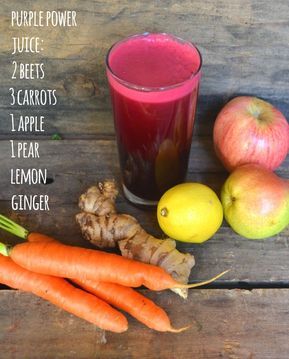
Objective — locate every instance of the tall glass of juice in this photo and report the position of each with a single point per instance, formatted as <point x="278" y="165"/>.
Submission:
<point x="154" y="81"/>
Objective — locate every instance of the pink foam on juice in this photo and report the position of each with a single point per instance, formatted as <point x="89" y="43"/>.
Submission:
<point x="154" y="82"/>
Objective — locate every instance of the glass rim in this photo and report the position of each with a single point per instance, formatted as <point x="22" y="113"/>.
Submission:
<point x="153" y="88"/>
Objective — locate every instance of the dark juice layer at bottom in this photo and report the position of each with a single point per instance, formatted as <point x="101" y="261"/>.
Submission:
<point x="154" y="141"/>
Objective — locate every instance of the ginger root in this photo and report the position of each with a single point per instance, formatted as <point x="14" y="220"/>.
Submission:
<point x="104" y="227"/>
<point x="100" y="199"/>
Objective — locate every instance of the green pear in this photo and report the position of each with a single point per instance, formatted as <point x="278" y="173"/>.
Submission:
<point x="256" y="202"/>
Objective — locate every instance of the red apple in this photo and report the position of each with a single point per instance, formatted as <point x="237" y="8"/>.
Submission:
<point x="250" y="130"/>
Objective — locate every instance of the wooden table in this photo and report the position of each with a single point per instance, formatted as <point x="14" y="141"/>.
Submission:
<point x="245" y="50"/>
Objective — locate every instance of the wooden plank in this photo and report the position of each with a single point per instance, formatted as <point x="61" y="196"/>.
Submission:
<point x="95" y="123"/>
<point x="250" y="261"/>
<point x="72" y="163"/>
<point x="231" y="35"/>
<point x="75" y="164"/>
<point x="86" y="124"/>
<point x="225" y="324"/>
<point x="98" y="122"/>
<point x="33" y="328"/>
<point x="231" y="41"/>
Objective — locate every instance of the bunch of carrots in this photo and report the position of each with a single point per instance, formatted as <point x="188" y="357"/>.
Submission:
<point x="42" y="265"/>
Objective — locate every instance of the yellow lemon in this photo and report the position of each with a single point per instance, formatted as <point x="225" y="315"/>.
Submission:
<point x="190" y="212"/>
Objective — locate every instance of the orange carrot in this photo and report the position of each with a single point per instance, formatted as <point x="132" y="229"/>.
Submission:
<point x="134" y="303"/>
<point x="125" y="298"/>
<point x="39" y="237"/>
<point x="62" y="294"/>
<point x="54" y="258"/>
<point x="49" y="256"/>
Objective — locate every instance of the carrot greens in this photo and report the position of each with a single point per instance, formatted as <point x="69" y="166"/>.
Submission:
<point x="10" y="226"/>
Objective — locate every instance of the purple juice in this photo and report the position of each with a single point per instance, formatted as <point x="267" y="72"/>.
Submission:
<point x="154" y="80"/>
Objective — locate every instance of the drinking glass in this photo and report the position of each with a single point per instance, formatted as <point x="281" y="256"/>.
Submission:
<point x="154" y="80"/>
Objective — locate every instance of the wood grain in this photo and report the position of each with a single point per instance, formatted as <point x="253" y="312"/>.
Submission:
<point x="225" y="324"/>
<point x="74" y="165"/>
<point x="89" y="123"/>
<point x="244" y="46"/>
<point x="34" y="328"/>
<point x="251" y="262"/>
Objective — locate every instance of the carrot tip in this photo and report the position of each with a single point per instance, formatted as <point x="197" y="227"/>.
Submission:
<point x="194" y="285"/>
<point x="173" y="330"/>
